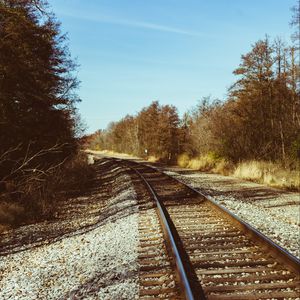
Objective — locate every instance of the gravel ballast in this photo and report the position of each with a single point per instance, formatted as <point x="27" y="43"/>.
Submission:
<point x="274" y="212"/>
<point x="98" y="261"/>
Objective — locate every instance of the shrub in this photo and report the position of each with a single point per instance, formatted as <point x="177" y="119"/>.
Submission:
<point x="34" y="196"/>
<point x="224" y="167"/>
<point x="10" y="213"/>
<point x="183" y="160"/>
<point x="205" y="162"/>
<point x="152" y="159"/>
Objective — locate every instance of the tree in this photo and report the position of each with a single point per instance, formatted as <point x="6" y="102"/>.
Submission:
<point x="37" y="84"/>
<point x="148" y="134"/>
<point x="262" y="106"/>
<point x="253" y="94"/>
<point x="201" y="139"/>
<point x="295" y="22"/>
<point x="168" y="147"/>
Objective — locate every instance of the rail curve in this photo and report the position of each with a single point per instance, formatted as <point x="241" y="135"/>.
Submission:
<point x="217" y="255"/>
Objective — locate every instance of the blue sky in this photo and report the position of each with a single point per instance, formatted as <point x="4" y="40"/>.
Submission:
<point x="132" y="52"/>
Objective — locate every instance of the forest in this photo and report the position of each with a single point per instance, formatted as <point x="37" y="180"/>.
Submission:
<point x="256" y="128"/>
<point x="257" y="125"/>
<point x="39" y="124"/>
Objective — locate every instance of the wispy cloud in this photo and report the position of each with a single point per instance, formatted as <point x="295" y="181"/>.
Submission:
<point x="133" y="23"/>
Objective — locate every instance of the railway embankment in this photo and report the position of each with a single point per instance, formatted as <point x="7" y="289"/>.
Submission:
<point x="89" y="250"/>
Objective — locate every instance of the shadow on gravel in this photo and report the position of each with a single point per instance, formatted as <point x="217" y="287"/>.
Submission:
<point x="119" y="274"/>
<point x="78" y="215"/>
<point x="247" y="194"/>
<point x="184" y="172"/>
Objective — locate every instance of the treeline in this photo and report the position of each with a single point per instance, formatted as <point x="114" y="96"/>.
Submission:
<point x="153" y="132"/>
<point x="36" y="82"/>
<point x="38" y="121"/>
<point x="259" y="120"/>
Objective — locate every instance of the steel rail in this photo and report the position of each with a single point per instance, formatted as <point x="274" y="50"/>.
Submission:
<point x="186" y="281"/>
<point x="280" y="253"/>
<point x="266" y="243"/>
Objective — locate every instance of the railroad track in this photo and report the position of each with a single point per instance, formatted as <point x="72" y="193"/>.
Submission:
<point x="216" y="255"/>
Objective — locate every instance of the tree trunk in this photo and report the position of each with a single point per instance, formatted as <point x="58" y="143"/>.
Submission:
<point x="282" y="141"/>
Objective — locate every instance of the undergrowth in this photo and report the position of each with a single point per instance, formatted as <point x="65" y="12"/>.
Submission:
<point x="272" y="174"/>
<point x="269" y="173"/>
<point x="34" y="197"/>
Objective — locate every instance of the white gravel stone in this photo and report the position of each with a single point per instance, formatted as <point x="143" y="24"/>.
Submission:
<point x="273" y="212"/>
<point x="97" y="264"/>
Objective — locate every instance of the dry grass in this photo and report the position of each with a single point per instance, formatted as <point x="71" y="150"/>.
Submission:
<point x="202" y="163"/>
<point x="223" y="167"/>
<point x="183" y="160"/>
<point x="30" y="200"/>
<point x="4" y="228"/>
<point x="205" y="163"/>
<point x="11" y="214"/>
<point x="268" y="173"/>
<point x="153" y="159"/>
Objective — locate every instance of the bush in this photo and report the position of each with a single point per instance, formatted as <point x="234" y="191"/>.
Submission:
<point x="224" y="167"/>
<point x="183" y="160"/>
<point x="206" y="163"/>
<point x="34" y="196"/>
<point x="10" y="213"/>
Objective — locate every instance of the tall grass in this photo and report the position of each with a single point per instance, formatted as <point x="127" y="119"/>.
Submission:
<point x="206" y="163"/>
<point x="269" y="173"/>
<point x="153" y="159"/>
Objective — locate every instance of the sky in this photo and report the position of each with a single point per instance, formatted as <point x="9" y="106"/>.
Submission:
<point x="132" y="52"/>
